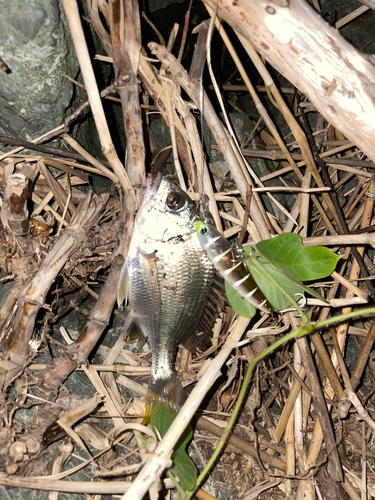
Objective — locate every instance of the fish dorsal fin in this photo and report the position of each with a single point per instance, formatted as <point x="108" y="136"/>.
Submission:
<point x="123" y="285"/>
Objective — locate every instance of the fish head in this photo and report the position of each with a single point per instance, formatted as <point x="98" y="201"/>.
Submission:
<point x="166" y="211"/>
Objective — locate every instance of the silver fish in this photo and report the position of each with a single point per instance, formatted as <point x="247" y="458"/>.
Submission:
<point x="233" y="270"/>
<point x="166" y="280"/>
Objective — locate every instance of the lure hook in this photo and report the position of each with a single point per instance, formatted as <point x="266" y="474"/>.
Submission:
<point x="292" y="309"/>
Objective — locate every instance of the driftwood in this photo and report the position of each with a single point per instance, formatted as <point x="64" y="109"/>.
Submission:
<point x="296" y="41"/>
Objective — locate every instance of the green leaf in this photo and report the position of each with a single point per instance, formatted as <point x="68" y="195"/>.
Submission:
<point x="185" y="469"/>
<point x="238" y="303"/>
<point x="161" y="419"/>
<point x="280" y="290"/>
<point x="300" y="263"/>
<point x="183" y="466"/>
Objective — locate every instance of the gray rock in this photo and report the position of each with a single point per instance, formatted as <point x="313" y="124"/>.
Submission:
<point x="36" y="46"/>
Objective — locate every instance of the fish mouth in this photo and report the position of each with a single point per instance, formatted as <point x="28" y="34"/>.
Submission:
<point x="153" y="183"/>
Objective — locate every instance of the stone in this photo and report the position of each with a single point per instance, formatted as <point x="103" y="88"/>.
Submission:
<point x="36" y="46"/>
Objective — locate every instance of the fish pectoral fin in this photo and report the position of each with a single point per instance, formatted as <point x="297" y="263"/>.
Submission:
<point x="169" y="390"/>
<point x="150" y="275"/>
<point x="123" y="285"/>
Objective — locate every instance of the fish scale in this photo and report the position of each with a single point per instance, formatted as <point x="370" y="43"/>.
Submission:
<point x="166" y="278"/>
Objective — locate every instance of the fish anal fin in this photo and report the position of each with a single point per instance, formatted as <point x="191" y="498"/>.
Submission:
<point x="135" y="333"/>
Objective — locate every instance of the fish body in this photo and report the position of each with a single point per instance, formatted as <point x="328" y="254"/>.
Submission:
<point x="166" y="279"/>
<point x="233" y="270"/>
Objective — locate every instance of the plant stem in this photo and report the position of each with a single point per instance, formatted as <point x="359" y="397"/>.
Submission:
<point x="305" y="329"/>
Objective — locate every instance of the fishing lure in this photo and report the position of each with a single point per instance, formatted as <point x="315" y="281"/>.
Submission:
<point x="221" y="254"/>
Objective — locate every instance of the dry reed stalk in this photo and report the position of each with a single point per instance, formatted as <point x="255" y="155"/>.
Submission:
<point x="83" y="487"/>
<point x="99" y="168"/>
<point x="323" y="214"/>
<point x="160" y="459"/>
<point x="363" y="357"/>
<point x="111" y="404"/>
<point x="290" y="454"/>
<point x="349" y="285"/>
<point x="301" y="459"/>
<point x="270" y="141"/>
<point x="341" y="240"/>
<point x="73" y="17"/>
<point x="33" y="296"/>
<point x="305" y="488"/>
<point x="349" y="489"/>
<point x="305" y="204"/>
<point x="197" y="149"/>
<point x="317" y="440"/>
<point x="203" y="183"/>
<point x="322" y="412"/>
<point x="350" y="395"/>
<point x="181" y="76"/>
<point x="78" y="352"/>
<point x="327" y="154"/>
<point x="43" y="205"/>
<point x="65" y="452"/>
<point x="153" y="87"/>
<point x="327" y="365"/>
<point x="58" y="192"/>
<point x="290" y="37"/>
<point x="261" y="109"/>
<point x="355" y="271"/>
<point x="169" y="89"/>
<point x="245" y="166"/>
<point x="125" y="42"/>
<point x="291" y="121"/>
<point x="357" y="199"/>
<point x="108" y="377"/>
<point x="349" y="17"/>
<point x="105" y="368"/>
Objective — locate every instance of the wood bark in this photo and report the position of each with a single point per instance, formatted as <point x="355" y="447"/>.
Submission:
<point x="313" y="56"/>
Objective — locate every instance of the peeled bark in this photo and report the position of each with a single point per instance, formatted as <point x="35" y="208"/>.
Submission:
<point x="313" y="56"/>
<point x="14" y="215"/>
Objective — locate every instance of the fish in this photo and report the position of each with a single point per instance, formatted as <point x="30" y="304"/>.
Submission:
<point x="166" y="280"/>
<point x="222" y="256"/>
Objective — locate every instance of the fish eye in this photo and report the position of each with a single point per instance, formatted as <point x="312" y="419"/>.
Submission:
<point x="174" y="200"/>
<point x="204" y="230"/>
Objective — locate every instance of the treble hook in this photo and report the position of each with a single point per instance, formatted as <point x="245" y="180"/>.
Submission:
<point x="293" y="308"/>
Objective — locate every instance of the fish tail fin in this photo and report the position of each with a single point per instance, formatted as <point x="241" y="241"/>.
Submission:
<point x="167" y="389"/>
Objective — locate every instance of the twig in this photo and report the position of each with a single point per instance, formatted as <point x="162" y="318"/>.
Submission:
<point x="159" y="460"/>
<point x="352" y="396"/>
<point x="72" y="14"/>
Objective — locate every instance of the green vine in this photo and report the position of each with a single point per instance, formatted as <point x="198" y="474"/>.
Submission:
<point x="307" y="327"/>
